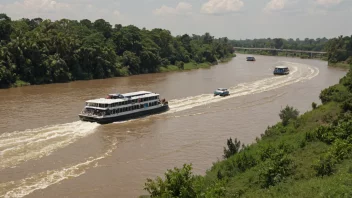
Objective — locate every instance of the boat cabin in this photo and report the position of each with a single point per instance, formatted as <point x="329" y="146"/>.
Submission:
<point x="250" y="58"/>
<point x="119" y="103"/>
<point x="281" y="70"/>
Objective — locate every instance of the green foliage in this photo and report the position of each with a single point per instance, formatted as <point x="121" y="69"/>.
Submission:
<point x="287" y="114"/>
<point x="314" y="105"/>
<point x="177" y="183"/>
<point x="339" y="49"/>
<point x="347" y="105"/>
<point x="275" y="169"/>
<point x="337" y="93"/>
<point x="297" y="44"/>
<point x="232" y="148"/>
<point x="41" y="51"/>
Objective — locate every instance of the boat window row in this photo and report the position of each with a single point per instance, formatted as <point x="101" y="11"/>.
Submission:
<point x="131" y="108"/>
<point x="122" y="103"/>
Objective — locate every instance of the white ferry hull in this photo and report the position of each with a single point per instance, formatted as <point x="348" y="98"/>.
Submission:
<point x="106" y="120"/>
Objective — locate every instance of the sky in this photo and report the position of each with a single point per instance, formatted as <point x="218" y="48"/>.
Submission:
<point x="235" y="19"/>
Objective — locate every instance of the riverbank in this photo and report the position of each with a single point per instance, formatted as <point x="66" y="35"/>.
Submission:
<point x="340" y="65"/>
<point x="194" y="65"/>
<point x="304" y="156"/>
<point x="171" y="68"/>
<point x="282" y="54"/>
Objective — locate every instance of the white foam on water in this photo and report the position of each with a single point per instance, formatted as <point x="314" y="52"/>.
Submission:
<point x="43" y="180"/>
<point x="299" y="73"/>
<point x="20" y="146"/>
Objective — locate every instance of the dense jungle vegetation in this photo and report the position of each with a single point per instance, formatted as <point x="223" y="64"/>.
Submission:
<point x="38" y="51"/>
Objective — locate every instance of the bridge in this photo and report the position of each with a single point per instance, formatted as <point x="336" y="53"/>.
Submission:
<point x="311" y="53"/>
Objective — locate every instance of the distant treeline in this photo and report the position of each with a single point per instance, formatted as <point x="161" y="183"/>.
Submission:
<point x="38" y="51"/>
<point x="279" y="43"/>
<point x="338" y="49"/>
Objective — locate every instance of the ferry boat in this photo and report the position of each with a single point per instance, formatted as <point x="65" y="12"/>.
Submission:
<point x="281" y="70"/>
<point x="250" y="58"/>
<point x="119" y="107"/>
<point x="221" y="92"/>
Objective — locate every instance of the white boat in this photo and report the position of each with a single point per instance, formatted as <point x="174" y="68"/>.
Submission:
<point x="221" y="92"/>
<point x="119" y="107"/>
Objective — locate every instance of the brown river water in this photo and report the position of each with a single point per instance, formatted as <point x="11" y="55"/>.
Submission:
<point x="45" y="151"/>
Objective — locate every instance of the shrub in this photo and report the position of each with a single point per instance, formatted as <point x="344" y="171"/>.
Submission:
<point x="177" y="183"/>
<point x="347" y="105"/>
<point x="276" y="169"/>
<point x="314" y="105"/>
<point x="180" y="65"/>
<point x="244" y="161"/>
<point x="325" y="134"/>
<point x="232" y="148"/>
<point x="288" y="113"/>
<point x="310" y="136"/>
<point x="337" y="93"/>
<point x="325" y="166"/>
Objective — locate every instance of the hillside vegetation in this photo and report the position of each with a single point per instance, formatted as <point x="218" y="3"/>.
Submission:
<point x="307" y="155"/>
<point x="37" y="51"/>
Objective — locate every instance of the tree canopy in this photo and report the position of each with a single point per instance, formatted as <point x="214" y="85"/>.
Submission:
<point x="41" y="51"/>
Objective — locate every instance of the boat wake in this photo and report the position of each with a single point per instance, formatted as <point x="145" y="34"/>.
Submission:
<point x="21" y="146"/>
<point x="299" y="73"/>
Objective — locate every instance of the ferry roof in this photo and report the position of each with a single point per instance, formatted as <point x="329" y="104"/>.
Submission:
<point x="281" y="67"/>
<point x="135" y="95"/>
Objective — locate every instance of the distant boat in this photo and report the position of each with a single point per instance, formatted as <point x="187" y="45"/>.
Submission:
<point x="221" y="92"/>
<point x="281" y="70"/>
<point x="250" y="58"/>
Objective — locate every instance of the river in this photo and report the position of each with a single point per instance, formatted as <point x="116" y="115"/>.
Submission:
<point x="45" y="151"/>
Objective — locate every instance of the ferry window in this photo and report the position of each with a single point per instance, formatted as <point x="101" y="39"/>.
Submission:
<point x="141" y="106"/>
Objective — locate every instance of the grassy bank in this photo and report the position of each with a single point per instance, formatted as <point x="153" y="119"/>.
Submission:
<point x="307" y="155"/>
<point x="340" y="65"/>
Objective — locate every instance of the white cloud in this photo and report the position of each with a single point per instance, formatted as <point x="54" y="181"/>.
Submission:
<point x="275" y="5"/>
<point x="221" y="6"/>
<point x="33" y="8"/>
<point x="116" y="13"/>
<point x="57" y="9"/>
<point x="328" y="2"/>
<point x="181" y="9"/>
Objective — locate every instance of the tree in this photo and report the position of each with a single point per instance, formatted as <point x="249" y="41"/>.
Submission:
<point x="287" y="114"/>
<point x="177" y="183"/>
<point x="232" y="148"/>
<point x="5" y="27"/>
<point x="278" y="43"/>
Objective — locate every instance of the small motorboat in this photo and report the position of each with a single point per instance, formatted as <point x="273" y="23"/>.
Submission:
<point x="221" y="92"/>
<point x="250" y="58"/>
<point x="281" y="70"/>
